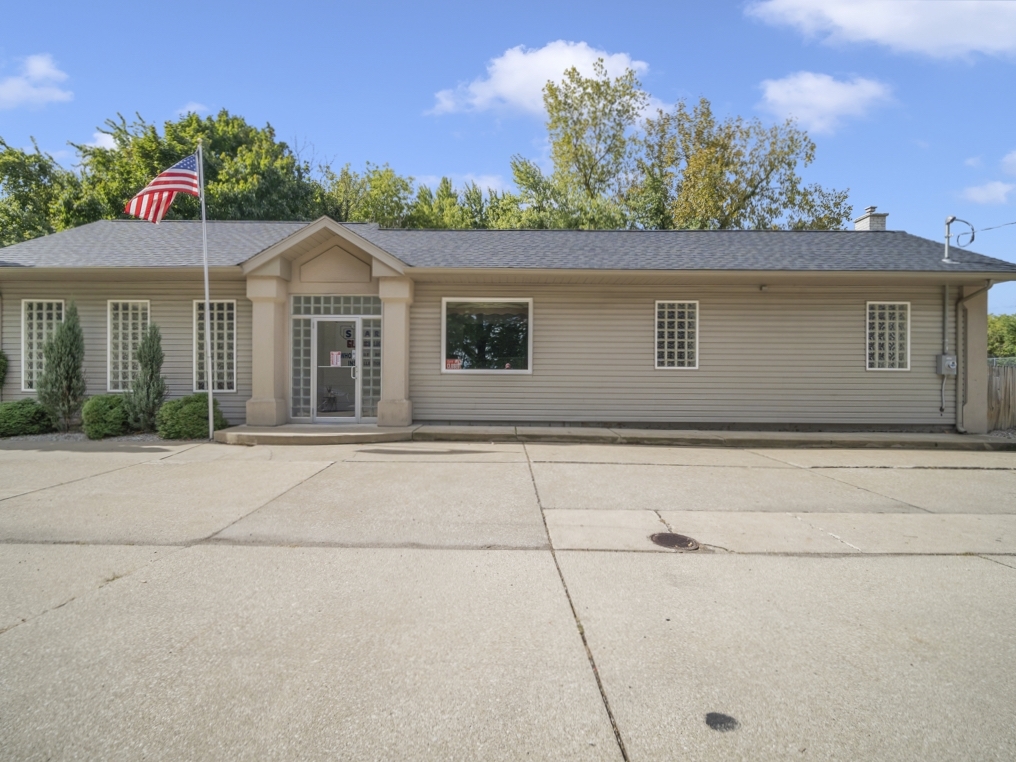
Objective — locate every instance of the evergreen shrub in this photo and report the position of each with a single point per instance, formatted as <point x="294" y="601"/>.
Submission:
<point x="148" y="389"/>
<point x="61" y="387"/>
<point x="104" y="415"/>
<point x="23" y="417"/>
<point x="187" y="418"/>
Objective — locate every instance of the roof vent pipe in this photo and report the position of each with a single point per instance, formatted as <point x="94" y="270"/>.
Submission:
<point x="871" y="220"/>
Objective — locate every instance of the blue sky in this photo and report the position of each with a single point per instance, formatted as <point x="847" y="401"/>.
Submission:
<point x="912" y="102"/>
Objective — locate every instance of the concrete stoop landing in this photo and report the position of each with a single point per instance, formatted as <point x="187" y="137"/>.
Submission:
<point x="307" y="434"/>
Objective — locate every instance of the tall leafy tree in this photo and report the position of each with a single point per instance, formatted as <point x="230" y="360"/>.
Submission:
<point x="1002" y="335"/>
<point x="249" y="174"/>
<point x="699" y="172"/>
<point x="31" y="182"/>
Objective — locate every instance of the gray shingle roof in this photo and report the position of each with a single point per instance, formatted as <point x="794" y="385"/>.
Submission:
<point x="675" y="250"/>
<point x="130" y="243"/>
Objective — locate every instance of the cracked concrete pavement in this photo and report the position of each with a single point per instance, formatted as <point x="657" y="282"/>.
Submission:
<point x="446" y="600"/>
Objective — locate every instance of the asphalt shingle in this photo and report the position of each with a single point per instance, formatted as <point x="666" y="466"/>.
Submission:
<point x="675" y="250"/>
<point x="127" y="243"/>
<point x="137" y="243"/>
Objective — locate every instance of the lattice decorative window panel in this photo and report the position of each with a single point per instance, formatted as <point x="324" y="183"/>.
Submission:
<point x="888" y="336"/>
<point x="677" y="334"/>
<point x="302" y="360"/>
<point x="40" y="319"/>
<point x="370" y="367"/>
<point x="128" y="321"/>
<point x="223" y="346"/>
<point x="336" y="305"/>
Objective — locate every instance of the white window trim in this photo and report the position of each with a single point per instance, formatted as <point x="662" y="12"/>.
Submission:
<point x="194" y="350"/>
<point x="867" y="307"/>
<point x="446" y="300"/>
<point x="63" y="312"/>
<point x="109" y="338"/>
<point x="698" y="316"/>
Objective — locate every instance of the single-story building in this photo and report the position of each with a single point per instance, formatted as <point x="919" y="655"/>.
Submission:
<point x="349" y="322"/>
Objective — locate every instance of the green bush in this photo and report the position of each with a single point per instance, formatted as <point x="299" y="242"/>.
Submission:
<point x="61" y="387"/>
<point x="3" y="370"/>
<point x="148" y="388"/>
<point x="24" y="417"/>
<point x="187" y="418"/>
<point x="104" y="416"/>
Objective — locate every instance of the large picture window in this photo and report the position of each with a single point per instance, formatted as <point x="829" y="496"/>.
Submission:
<point x="888" y="336"/>
<point x="127" y="322"/>
<point x="38" y="321"/>
<point x="487" y="335"/>
<point x="677" y="335"/>
<point x="223" y="346"/>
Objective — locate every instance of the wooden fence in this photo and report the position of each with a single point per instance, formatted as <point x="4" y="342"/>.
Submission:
<point x="1001" y="397"/>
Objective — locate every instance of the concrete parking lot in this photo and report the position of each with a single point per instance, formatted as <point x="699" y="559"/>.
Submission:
<point x="459" y="601"/>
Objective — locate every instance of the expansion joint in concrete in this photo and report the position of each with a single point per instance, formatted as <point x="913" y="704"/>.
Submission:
<point x="575" y="616"/>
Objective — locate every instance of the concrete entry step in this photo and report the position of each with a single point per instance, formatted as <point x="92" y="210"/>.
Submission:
<point x="305" y="434"/>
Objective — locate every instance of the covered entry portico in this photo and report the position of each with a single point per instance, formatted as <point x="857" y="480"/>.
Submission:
<point x="330" y="331"/>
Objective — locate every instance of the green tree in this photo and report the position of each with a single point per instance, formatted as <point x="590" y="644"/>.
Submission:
<point x="439" y="209"/>
<point x="698" y="172"/>
<point x="249" y="174"/>
<point x="1002" y="335"/>
<point x="30" y="185"/>
<point x="148" y="389"/>
<point x="590" y="121"/>
<point x="61" y="387"/>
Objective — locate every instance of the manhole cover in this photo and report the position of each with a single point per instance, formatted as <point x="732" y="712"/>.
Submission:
<point x="675" y="541"/>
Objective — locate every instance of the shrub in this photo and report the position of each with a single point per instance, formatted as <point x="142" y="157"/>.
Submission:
<point x="148" y="389"/>
<point x="61" y="386"/>
<point x="104" y="416"/>
<point x="24" y="417"/>
<point x="3" y="370"/>
<point x="187" y="418"/>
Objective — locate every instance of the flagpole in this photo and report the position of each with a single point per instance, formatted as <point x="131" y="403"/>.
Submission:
<point x="209" y="376"/>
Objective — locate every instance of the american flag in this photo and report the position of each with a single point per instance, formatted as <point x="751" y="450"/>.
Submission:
<point x="154" y="200"/>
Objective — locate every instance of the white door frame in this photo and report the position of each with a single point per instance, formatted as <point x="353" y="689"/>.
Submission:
<point x="357" y="375"/>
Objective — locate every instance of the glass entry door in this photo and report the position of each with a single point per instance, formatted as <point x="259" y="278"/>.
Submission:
<point x="336" y="377"/>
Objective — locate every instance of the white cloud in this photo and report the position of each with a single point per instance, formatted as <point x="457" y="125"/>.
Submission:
<point x="515" y="79"/>
<point x="941" y="29"/>
<point x="193" y="107"/>
<point x="973" y="161"/>
<point x="820" y="102"/>
<point x="1009" y="163"/>
<point x="35" y="86"/>
<point x="994" y="192"/>
<point x="102" y="140"/>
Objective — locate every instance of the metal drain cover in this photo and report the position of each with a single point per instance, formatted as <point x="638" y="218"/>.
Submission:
<point x="675" y="541"/>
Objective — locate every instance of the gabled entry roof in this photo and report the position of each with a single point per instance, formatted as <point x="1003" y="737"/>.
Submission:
<point x="129" y="243"/>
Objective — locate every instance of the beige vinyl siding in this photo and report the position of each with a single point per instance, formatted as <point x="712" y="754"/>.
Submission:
<point x="172" y="309"/>
<point x="786" y="355"/>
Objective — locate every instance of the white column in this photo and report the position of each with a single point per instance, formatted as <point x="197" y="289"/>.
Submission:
<point x="395" y="407"/>
<point x="975" y="369"/>
<point x="267" y="405"/>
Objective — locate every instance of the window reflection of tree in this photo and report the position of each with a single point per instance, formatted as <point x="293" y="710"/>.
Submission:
<point x="488" y="337"/>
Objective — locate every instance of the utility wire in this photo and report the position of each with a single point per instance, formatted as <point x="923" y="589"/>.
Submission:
<point x="998" y="226"/>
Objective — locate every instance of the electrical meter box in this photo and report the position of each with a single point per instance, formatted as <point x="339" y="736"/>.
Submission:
<point x="946" y="365"/>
